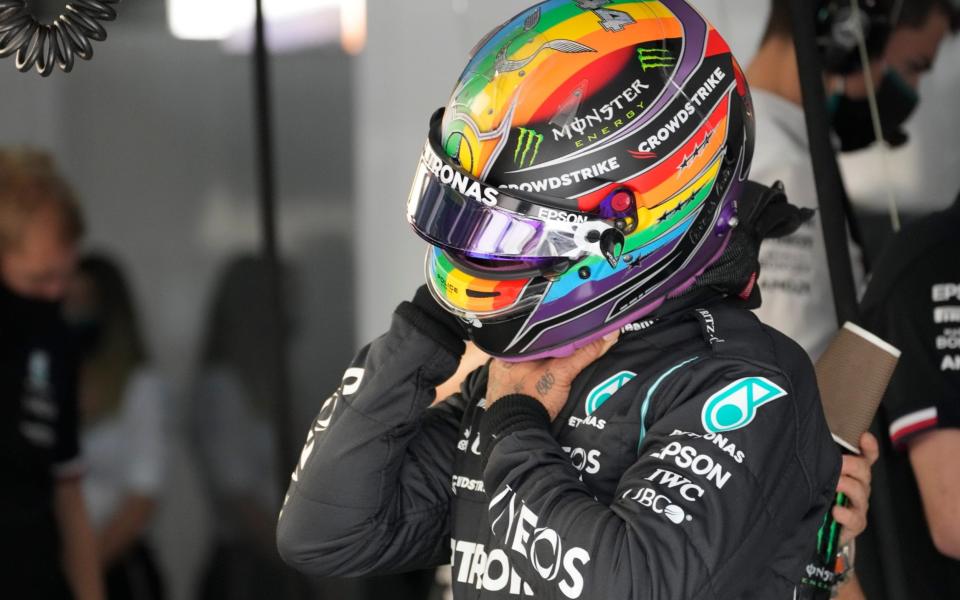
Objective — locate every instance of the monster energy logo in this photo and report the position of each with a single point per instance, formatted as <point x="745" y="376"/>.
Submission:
<point x="827" y="544"/>
<point x="820" y="573"/>
<point x="655" y="58"/>
<point x="528" y="140"/>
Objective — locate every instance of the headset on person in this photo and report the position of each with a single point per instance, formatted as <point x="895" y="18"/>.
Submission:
<point x="839" y="26"/>
<point x="850" y="33"/>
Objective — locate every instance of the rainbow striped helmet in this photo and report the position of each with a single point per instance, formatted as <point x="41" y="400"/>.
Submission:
<point x="586" y="168"/>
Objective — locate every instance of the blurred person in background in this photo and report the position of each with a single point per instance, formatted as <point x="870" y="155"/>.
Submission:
<point x="233" y="432"/>
<point x="123" y="409"/>
<point x="49" y="546"/>
<point x="794" y="279"/>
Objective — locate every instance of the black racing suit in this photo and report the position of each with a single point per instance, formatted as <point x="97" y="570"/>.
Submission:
<point x="691" y="461"/>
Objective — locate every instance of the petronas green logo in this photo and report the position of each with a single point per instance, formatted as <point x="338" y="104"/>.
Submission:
<point x="655" y="58"/>
<point x="736" y="406"/>
<point x="603" y="392"/>
<point x="528" y="147"/>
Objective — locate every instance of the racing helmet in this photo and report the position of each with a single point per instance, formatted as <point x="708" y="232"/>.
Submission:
<point x="586" y="168"/>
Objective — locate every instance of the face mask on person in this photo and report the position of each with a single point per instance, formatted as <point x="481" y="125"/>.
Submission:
<point x="852" y="122"/>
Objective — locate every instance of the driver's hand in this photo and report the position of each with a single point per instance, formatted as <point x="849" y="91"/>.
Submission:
<point x="546" y="380"/>
<point x="855" y="482"/>
<point x="473" y="358"/>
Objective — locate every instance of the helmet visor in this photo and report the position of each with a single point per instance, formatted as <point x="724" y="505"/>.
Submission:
<point x="459" y="213"/>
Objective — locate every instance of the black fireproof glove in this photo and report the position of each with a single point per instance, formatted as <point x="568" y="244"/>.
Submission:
<point x="431" y="319"/>
<point x="764" y="213"/>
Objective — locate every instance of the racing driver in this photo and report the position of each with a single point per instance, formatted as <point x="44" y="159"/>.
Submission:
<point x="639" y="433"/>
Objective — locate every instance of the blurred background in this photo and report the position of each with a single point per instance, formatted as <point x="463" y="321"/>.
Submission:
<point x="157" y="134"/>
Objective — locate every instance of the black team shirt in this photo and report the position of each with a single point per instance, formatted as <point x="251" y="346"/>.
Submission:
<point x="914" y="303"/>
<point x="38" y="444"/>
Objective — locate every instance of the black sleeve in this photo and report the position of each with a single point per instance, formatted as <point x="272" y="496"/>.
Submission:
<point x="698" y="515"/>
<point x="372" y="489"/>
<point x="64" y="366"/>
<point x="920" y="319"/>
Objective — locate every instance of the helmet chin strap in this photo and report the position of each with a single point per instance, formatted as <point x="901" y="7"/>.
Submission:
<point x="892" y="203"/>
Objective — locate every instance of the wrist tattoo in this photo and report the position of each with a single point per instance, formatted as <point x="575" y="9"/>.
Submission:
<point x="546" y="383"/>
